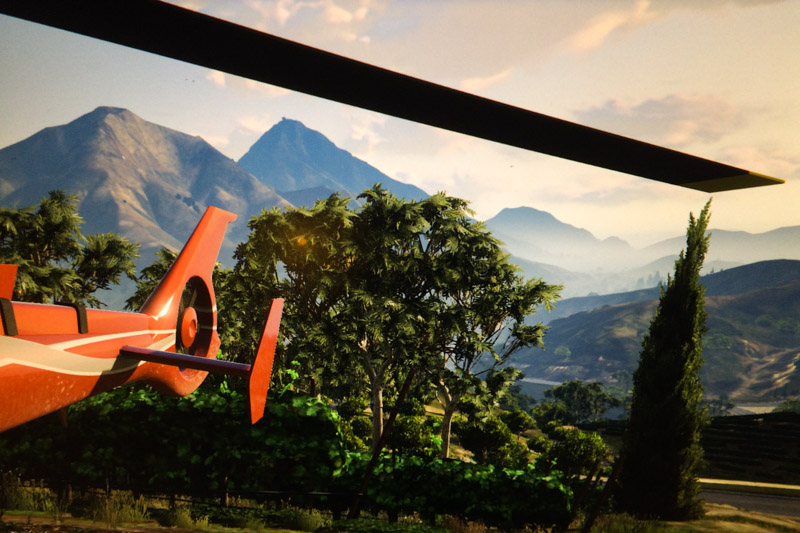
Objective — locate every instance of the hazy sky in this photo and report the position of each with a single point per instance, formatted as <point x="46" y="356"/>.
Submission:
<point x="715" y="78"/>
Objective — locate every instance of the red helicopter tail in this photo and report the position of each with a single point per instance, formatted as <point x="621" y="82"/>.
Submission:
<point x="258" y="374"/>
<point x="184" y="300"/>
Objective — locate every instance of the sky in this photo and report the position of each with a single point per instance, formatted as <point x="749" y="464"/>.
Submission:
<point x="718" y="79"/>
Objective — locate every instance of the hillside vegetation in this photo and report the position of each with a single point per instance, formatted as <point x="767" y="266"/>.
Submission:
<point x="751" y="352"/>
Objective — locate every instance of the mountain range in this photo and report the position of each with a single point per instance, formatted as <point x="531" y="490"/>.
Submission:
<point x="151" y="184"/>
<point x="544" y="247"/>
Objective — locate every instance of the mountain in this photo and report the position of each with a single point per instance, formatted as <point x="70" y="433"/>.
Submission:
<point x="543" y="246"/>
<point x="739" y="246"/>
<point x="302" y="163"/>
<point x="752" y="348"/>
<point x="539" y="236"/>
<point x="147" y="182"/>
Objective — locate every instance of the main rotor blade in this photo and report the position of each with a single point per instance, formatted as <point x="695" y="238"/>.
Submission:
<point x="189" y="36"/>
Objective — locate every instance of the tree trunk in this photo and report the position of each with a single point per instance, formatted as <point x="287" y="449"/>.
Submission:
<point x="449" y="402"/>
<point x="377" y="415"/>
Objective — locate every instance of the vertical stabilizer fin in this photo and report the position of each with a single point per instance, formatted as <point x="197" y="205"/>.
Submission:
<point x="261" y="372"/>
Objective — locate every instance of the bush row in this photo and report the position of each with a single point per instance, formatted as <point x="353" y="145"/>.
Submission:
<point x="203" y="446"/>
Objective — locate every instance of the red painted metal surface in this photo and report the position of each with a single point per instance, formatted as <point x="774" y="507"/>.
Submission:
<point x="46" y="363"/>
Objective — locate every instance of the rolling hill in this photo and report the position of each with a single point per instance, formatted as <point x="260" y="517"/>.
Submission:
<point x="752" y="348"/>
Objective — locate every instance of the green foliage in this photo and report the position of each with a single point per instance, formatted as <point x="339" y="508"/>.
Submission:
<point x="200" y="444"/>
<point x="508" y="499"/>
<point x="491" y="442"/>
<point x="515" y="400"/>
<point x="149" y="278"/>
<point x="56" y="262"/>
<point x="376" y="292"/>
<point x="517" y="421"/>
<point x="414" y="435"/>
<point x="662" y="453"/>
<point x="570" y="450"/>
<point x="584" y="402"/>
<point x="787" y="326"/>
<point x="547" y="412"/>
<point x="117" y="507"/>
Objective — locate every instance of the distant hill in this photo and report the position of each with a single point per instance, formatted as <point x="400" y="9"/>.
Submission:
<point x="740" y="246"/>
<point x="302" y="163"/>
<point x="752" y="349"/>
<point x="544" y="246"/>
<point x="736" y="280"/>
<point x="539" y="236"/>
<point x="144" y="181"/>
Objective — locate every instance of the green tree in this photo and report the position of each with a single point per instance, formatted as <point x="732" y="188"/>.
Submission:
<point x="570" y="450"/>
<point x="300" y="255"/>
<point x="662" y="454"/>
<point x="56" y="262"/>
<point x="547" y="412"/>
<point x="584" y="402"/>
<point x="491" y="442"/>
<point x="414" y="435"/>
<point x="482" y="317"/>
<point x="149" y="278"/>
<point x="359" y="289"/>
<point x="381" y="293"/>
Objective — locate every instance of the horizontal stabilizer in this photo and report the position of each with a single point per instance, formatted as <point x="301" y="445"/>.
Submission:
<point x="258" y="374"/>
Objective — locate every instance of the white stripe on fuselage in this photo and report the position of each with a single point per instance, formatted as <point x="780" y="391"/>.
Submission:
<point x="55" y="359"/>
<point x="83" y="341"/>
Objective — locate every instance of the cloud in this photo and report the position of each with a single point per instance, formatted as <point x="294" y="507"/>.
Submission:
<point x="267" y="13"/>
<point x="264" y="89"/>
<point x="604" y="25"/>
<point x="216" y="77"/>
<point x="256" y="123"/>
<point x="365" y="132"/>
<point x="673" y="120"/>
<point x="765" y="160"/>
<point x="217" y="141"/>
<point x="220" y="79"/>
<point x="629" y="17"/>
<point x="475" y="85"/>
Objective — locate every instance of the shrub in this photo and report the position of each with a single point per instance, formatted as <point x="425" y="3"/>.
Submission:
<point x="570" y="450"/>
<point x="494" y="496"/>
<point x="491" y="442"/>
<point x="306" y="520"/>
<point x="411" y="435"/>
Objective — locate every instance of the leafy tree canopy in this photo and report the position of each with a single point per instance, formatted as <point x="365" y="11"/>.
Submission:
<point x="56" y="262"/>
<point x="584" y="402"/>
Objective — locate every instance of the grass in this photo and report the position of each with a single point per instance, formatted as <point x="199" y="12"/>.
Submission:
<point x="99" y="512"/>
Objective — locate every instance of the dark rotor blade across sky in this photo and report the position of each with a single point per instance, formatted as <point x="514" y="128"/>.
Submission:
<point x="193" y="37"/>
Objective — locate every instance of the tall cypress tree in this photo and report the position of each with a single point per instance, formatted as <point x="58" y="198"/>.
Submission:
<point x="662" y="454"/>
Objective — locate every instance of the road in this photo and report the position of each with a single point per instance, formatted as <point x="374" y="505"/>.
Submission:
<point x="759" y="499"/>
